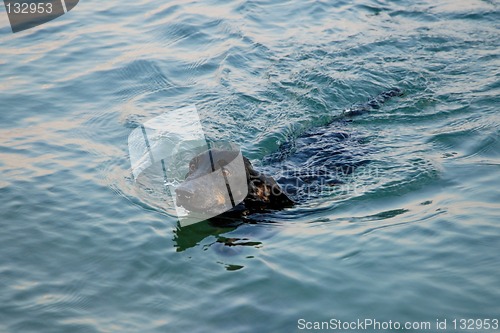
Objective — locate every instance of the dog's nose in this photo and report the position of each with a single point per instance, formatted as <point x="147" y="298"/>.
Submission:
<point x="184" y="192"/>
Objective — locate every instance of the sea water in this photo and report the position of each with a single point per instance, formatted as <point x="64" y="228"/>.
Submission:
<point x="412" y="237"/>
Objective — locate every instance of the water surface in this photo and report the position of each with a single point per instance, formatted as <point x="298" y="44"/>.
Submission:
<point x="413" y="235"/>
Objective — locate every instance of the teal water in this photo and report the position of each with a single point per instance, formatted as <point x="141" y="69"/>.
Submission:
<point x="416" y="238"/>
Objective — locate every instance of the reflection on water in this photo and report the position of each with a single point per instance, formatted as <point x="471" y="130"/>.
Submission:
<point x="189" y="236"/>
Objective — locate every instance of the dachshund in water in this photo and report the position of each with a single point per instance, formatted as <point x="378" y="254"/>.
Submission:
<point x="199" y="194"/>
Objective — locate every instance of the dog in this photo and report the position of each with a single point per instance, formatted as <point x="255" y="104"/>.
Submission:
<point x="198" y="194"/>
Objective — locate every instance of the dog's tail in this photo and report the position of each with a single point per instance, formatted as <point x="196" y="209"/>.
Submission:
<point x="373" y="104"/>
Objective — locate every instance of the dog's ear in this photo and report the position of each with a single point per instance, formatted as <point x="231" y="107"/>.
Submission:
<point x="263" y="191"/>
<point x="277" y="197"/>
<point x="281" y="200"/>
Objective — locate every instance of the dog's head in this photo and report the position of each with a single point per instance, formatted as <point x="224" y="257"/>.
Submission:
<point x="200" y="193"/>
